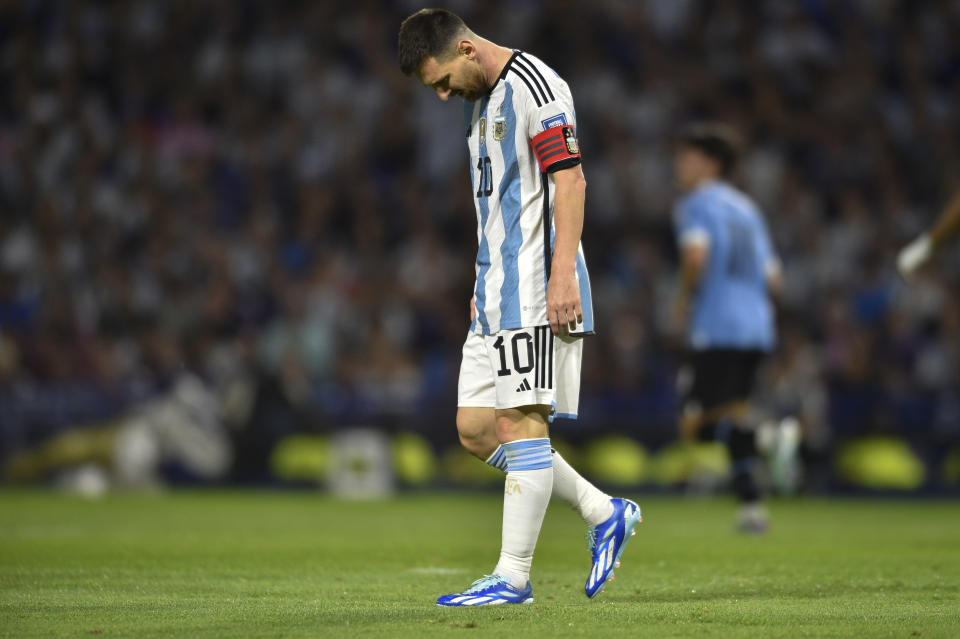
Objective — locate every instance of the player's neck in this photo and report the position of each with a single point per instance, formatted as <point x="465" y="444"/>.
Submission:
<point x="492" y="58"/>
<point x="703" y="181"/>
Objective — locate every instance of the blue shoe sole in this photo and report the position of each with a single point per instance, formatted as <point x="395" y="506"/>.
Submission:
<point x="528" y="600"/>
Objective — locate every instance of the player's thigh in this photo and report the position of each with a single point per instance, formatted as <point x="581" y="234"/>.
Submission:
<point x="476" y="398"/>
<point x="748" y="365"/>
<point x="475" y="387"/>
<point x="714" y="382"/>
<point x="739" y="383"/>
<point x="529" y="398"/>
<point x="522" y="422"/>
<point x="523" y="362"/>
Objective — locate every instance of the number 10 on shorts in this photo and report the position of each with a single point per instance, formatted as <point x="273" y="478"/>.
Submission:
<point x="521" y="367"/>
<point x="525" y="350"/>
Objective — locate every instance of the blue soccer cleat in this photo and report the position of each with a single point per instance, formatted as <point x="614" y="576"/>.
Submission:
<point x="607" y="541"/>
<point x="490" y="590"/>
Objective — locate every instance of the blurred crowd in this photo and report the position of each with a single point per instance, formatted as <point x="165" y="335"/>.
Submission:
<point x="252" y="194"/>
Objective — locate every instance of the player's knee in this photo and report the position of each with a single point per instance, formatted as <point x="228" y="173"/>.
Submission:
<point x="476" y="432"/>
<point x="477" y="445"/>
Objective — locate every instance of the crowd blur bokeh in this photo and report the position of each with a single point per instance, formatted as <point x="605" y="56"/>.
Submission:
<point x="251" y="194"/>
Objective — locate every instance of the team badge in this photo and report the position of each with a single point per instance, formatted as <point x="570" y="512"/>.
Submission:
<point x="554" y="120"/>
<point x="499" y="128"/>
<point x="483" y="131"/>
<point x="572" y="147"/>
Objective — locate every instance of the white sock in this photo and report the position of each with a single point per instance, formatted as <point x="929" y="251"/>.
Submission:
<point x="570" y="487"/>
<point x="525" y="497"/>
<point x="592" y="503"/>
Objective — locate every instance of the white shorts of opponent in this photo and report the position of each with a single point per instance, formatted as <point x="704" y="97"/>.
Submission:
<point x="521" y="367"/>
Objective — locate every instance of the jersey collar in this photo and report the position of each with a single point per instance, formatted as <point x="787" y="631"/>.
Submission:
<point x="506" y="68"/>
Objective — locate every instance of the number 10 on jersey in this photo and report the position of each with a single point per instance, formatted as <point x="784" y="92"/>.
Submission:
<point x="485" y="180"/>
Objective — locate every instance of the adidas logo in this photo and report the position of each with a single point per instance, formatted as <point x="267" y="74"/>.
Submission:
<point x="524" y="386"/>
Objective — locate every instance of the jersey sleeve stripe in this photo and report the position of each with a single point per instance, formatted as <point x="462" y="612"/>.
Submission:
<point x="529" y="86"/>
<point x="539" y="75"/>
<point x="520" y="66"/>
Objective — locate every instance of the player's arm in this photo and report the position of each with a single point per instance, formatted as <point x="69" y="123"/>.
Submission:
<point x="772" y="268"/>
<point x="693" y="243"/>
<point x="563" y="291"/>
<point x="914" y="254"/>
<point x="558" y="156"/>
<point x="774" y="275"/>
<point x="694" y="255"/>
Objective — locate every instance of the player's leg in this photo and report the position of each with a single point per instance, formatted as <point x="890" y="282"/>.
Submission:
<point x="519" y="430"/>
<point x="611" y="521"/>
<point x="738" y="433"/>
<point x="718" y="409"/>
<point x="476" y="418"/>
<point x="477" y="430"/>
<point x="524" y="437"/>
<point x="476" y="427"/>
<point x="744" y="454"/>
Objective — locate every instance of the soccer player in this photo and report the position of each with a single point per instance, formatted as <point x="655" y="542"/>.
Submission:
<point x="531" y="302"/>
<point x="728" y="271"/>
<point x="917" y="252"/>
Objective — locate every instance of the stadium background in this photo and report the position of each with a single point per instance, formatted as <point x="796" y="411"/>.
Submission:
<point x="229" y="223"/>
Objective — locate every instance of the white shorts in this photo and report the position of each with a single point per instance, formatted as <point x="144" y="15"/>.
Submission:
<point x="521" y="367"/>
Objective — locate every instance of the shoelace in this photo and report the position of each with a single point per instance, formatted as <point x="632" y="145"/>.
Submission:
<point x="591" y="538"/>
<point x="483" y="582"/>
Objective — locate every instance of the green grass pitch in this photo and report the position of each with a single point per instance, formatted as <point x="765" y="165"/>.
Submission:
<point x="242" y="564"/>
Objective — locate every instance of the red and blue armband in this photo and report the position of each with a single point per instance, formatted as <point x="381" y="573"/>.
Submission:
<point x="556" y="148"/>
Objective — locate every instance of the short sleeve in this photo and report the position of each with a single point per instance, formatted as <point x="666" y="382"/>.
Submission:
<point x="545" y="98"/>
<point x="692" y="224"/>
<point x="556" y="113"/>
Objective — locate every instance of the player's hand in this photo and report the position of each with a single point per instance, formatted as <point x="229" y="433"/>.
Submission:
<point x="563" y="303"/>
<point x="473" y="308"/>
<point x="913" y="255"/>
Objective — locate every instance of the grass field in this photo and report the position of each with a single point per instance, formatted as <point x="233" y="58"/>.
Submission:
<point x="239" y="564"/>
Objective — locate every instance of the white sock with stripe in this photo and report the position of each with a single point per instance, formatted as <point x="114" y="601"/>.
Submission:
<point x="526" y="495"/>
<point x="592" y="503"/>
<point x="570" y="487"/>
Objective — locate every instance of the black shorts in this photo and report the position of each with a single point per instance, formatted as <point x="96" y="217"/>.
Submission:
<point x="720" y="376"/>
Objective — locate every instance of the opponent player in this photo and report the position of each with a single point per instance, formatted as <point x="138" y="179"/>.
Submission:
<point x="728" y="271"/>
<point x="915" y="254"/>
<point x="521" y="358"/>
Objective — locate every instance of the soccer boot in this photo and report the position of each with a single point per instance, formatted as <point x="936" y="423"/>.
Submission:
<point x="490" y="590"/>
<point x="753" y="519"/>
<point x="607" y="541"/>
<point x="779" y="442"/>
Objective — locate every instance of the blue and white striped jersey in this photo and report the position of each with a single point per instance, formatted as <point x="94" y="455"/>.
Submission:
<point x="511" y="287"/>
<point x="732" y="307"/>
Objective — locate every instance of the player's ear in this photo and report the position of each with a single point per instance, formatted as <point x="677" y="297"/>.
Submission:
<point x="467" y="49"/>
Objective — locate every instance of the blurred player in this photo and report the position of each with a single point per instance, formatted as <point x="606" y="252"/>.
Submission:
<point x="531" y="304"/>
<point x="728" y="271"/>
<point x="915" y="254"/>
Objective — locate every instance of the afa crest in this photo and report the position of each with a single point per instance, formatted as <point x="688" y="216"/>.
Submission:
<point x="572" y="147"/>
<point x="499" y="128"/>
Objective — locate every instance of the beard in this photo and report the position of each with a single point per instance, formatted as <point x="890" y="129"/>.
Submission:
<point x="474" y="87"/>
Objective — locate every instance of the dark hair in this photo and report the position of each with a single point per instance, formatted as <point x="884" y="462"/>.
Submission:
<point x="427" y="33"/>
<point x="717" y="141"/>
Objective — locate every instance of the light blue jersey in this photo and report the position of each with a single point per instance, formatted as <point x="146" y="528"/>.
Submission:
<point x="511" y="287"/>
<point x="732" y="308"/>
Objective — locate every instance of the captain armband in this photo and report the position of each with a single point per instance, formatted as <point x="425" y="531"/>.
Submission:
<point x="556" y="148"/>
